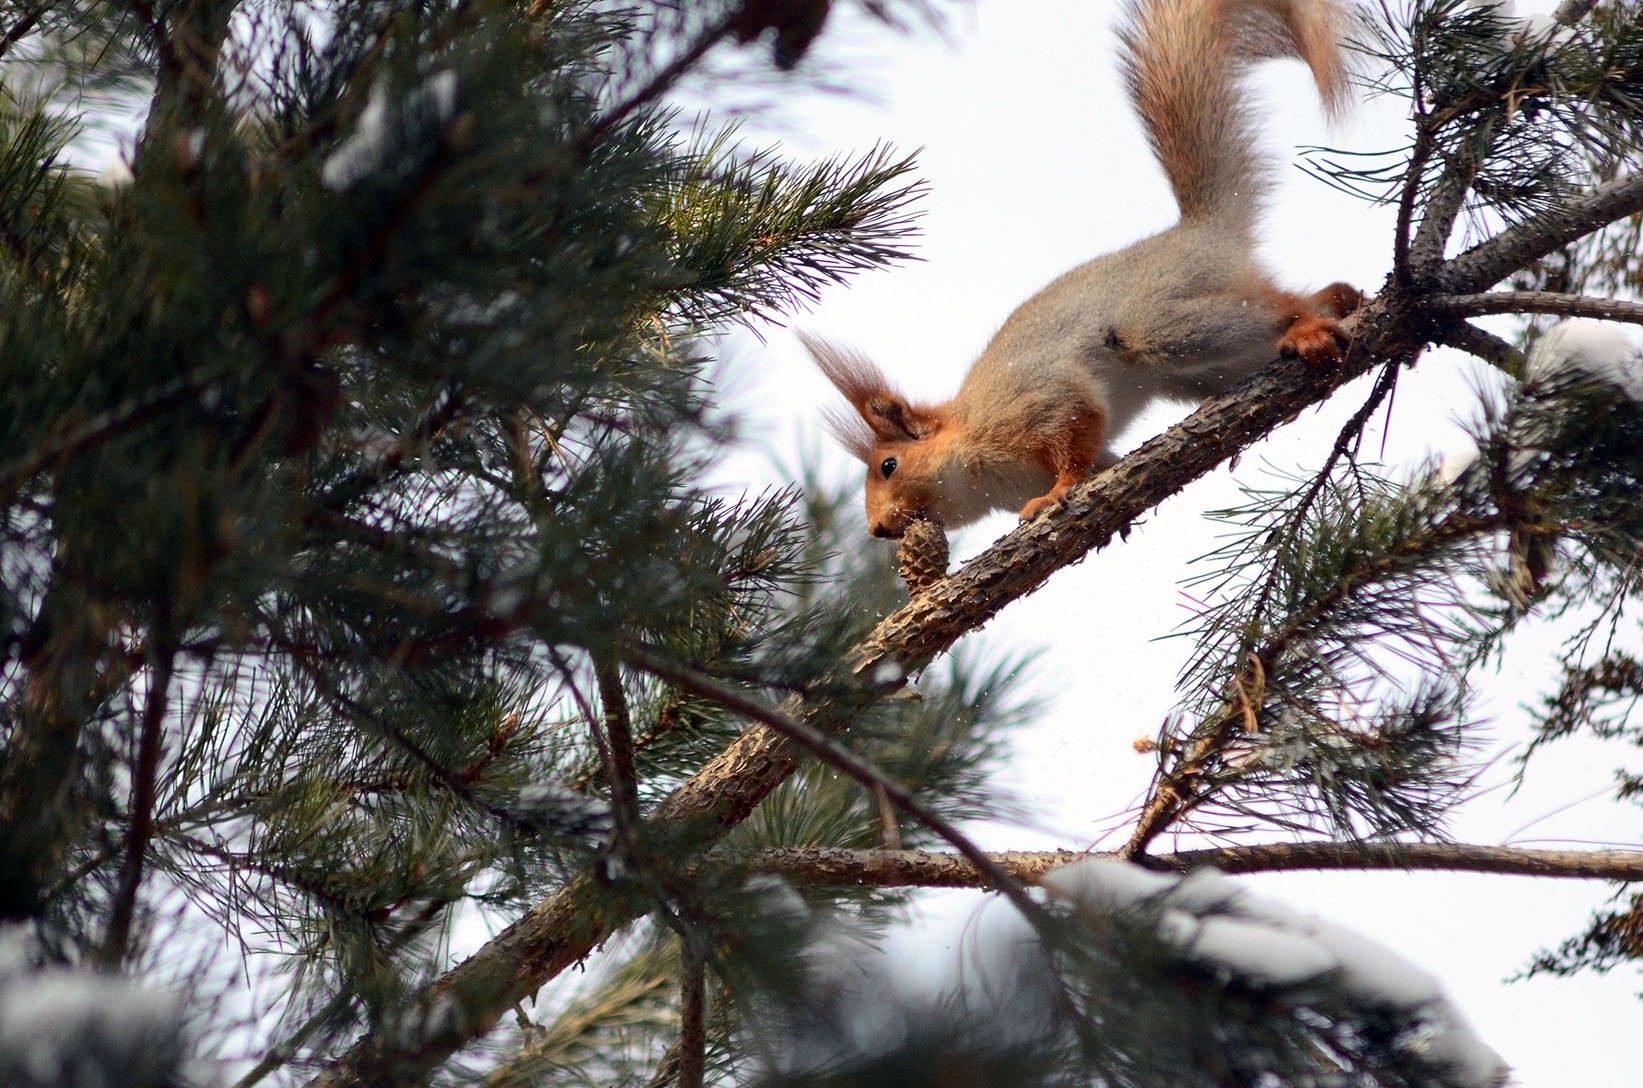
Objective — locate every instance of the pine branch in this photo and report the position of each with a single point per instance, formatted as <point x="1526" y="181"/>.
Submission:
<point x="936" y="869"/>
<point x="1193" y="780"/>
<point x="556" y="933"/>
<point x="21" y="28"/>
<point x="1485" y="345"/>
<point x="1491" y="261"/>
<point x="363" y="715"/>
<point x="1537" y="302"/>
<point x="819" y="744"/>
<point x="286" y="1049"/>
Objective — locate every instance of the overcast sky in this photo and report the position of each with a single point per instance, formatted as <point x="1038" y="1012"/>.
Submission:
<point x="1035" y="164"/>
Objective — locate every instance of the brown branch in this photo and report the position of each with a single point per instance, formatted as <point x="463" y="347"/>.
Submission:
<point x="1419" y="156"/>
<point x="668" y="718"/>
<point x="101" y="428"/>
<point x="624" y="779"/>
<point x="828" y="867"/>
<point x="21" y="28"/>
<point x="1443" y="207"/>
<point x="692" y="1018"/>
<point x="145" y="778"/>
<point x="1485" y="345"/>
<point x="1536" y="302"/>
<point x="1491" y="261"/>
<point x="1572" y="11"/>
<point x="1624" y="865"/>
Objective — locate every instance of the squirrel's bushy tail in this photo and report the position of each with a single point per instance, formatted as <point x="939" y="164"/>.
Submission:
<point x="1184" y="60"/>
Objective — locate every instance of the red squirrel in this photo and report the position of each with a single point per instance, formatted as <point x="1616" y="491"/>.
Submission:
<point x="1186" y="313"/>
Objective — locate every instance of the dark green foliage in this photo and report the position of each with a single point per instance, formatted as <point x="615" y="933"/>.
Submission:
<point x="1538" y="110"/>
<point x="341" y="443"/>
<point x="1315" y="629"/>
<point x="1351" y="620"/>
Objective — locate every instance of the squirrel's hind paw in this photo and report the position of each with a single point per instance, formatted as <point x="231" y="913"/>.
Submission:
<point x="1316" y="339"/>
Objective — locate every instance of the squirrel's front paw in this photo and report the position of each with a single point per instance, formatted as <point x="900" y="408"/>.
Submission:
<point x="1318" y="340"/>
<point x="1037" y="506"/>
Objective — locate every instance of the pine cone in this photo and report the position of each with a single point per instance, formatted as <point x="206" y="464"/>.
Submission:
<point x="922" y="557"/>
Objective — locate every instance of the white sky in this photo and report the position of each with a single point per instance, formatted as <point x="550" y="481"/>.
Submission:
<point x="1035" y="164"/>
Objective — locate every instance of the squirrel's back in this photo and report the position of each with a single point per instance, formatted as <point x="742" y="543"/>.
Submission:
<point x="1184" y="61"/>
<point x="1187" y="312"/>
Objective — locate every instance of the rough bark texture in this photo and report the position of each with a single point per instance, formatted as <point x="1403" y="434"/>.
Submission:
<point x="1487" y="263"/>
<point x="1537" y="302"/>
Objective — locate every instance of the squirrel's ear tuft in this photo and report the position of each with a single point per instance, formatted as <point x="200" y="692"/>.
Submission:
<point x="850" y="431"/>
<point x="881" y="412"/>
<point x="894" y="420"/>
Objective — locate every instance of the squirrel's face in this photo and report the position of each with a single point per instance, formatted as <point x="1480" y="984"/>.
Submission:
<point x="901" y="443"/>
<point x="903" y="484"/>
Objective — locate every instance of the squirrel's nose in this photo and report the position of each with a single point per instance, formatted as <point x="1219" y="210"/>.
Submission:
<point x="882" y="531"/>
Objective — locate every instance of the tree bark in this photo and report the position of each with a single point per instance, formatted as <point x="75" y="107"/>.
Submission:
<point x="933" y="869"/>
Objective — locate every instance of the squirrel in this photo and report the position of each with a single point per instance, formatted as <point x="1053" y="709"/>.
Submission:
<point x="1186" y="313"/>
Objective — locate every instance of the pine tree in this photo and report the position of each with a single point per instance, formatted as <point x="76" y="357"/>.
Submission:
<point x="360" y="586"/>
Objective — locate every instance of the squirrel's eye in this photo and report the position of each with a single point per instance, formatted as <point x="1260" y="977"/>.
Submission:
<point x="887" y="466"/>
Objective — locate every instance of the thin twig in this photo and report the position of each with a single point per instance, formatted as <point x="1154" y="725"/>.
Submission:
<point x="1170" y="794"/>
<point x="831" y="867"/>
<point x="692" y="1018"/>
<point x="21" y="28"/>
<point x="145" y="778"/>
<point x="840" y="758"/>
<point x="663" y="81"/>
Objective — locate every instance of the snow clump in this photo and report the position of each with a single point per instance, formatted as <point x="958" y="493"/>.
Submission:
<point x="1600" y="350"/>
<point x="65" y="1028"/>
<point x="1218" y="924"/>
<point x="366" y="151"/>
